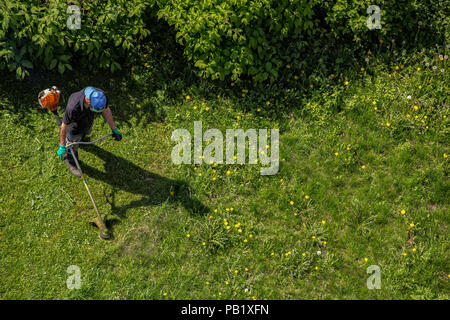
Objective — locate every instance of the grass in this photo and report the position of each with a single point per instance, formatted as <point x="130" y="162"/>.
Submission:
<point x="363" y="186"/>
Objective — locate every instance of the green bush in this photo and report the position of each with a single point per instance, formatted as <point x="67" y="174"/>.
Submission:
<point x="35" y="34"/>
<point x="237" y="37"/>
<point x="402" y="19"/>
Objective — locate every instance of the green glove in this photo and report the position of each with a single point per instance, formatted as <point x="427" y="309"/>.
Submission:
<point x="116" y="134"/>
<point x="62" y="150"/>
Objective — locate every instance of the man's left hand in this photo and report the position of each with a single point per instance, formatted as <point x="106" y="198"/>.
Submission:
<point x="117" y="134"/>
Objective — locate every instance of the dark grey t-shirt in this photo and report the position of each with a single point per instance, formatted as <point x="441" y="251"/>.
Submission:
<point x="77" y="116"/>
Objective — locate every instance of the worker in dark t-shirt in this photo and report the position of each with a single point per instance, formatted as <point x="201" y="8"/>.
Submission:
<point x="78" y="120"/>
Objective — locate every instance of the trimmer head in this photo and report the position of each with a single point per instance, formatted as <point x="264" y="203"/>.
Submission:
<point x="104" y="233"/>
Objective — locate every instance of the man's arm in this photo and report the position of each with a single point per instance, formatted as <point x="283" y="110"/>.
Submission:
<point x="62" y="134"/>
<point x="107" y="114"/>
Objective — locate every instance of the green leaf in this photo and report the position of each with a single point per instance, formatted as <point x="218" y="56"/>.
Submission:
<point x="61" y="68"/>
<point x="53" y="64"/>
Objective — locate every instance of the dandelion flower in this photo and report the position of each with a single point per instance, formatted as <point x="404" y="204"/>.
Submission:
<point x="403" y="212"/>
<point x="188" y="97"/>
<point x="366" y="259"/>
<point x="236" y="271"/>
<point x="411" y="225"/>
<point x="303" y="254"/>
<point x="228" y="172"/>
<point x="306" y="197"/>
<point x="388" y="124"/>
<point x="291" y="203"/>
<point x="445" y="155"/>
<point x="363" y="167"/>
<point x="323" y="221"/>
<point x="418" y="69"/>
<point x="346" y="83"/>
<point x="188" y="235"/>
<point x="336" y="154"/>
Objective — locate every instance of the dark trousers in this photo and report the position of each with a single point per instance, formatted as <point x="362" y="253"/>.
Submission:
<point x="77" y="137"/>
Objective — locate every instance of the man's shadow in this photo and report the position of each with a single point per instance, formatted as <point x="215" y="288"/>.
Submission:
<point x="124" y="175"/>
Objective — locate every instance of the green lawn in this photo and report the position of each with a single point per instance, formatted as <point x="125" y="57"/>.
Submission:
<point x="364" y="179"/>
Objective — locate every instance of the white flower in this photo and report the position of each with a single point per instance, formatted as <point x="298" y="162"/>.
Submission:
<point x="366" y="59"/>
<point x="245" y="290"/>
<point x="440" y="56"/>
<point x="408" y="97"/>
<point x="420" y="23"/>
<point x="434" y="67"/>
<point x="446" y="57"/>
<point x="318" y="252"/>
<point x="442" y="70"/>
<point x="427" y="64"/>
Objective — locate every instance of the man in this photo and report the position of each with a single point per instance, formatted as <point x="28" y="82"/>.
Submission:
<point x="78" y="120"/>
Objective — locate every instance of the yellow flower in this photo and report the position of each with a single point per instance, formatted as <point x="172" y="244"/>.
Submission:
<point x="204" y="243"/>
<point x="228" y="172"/>
<point x="268" y="102"/>
<point x="246" y="269"/>
<point x="396" y="68"/>
<point x="195" y="108"/>
<point x="414" y="249"/>
<point x="292" y="203"/>
<point x="333" y="94"/>
<point x="214" y="179"/>
<point x="331" y="76"/>
<point x="215" y="210"/>
<point x="336" y="154"/>
<point x="445" y="155"/>
<point x="366" y="259"/>
<point x="200" y="174"/>
<point x="226" y="282"/>
<point x="238" y="117"/>
<point x="295" y="77"/>
<point x="231" y="209"/>
<point x="346" y="83"/>
<point x="236" y="271"/>
<point x="420" y="87"/>
<point x="207" y="108"/>
<point x="132" y="69"/>
<point x="388" y="124"/>
<point x="418" y="69"/>
<point x="220" y="293"/>
<point x="259" y="109"/>
<point x="228" y="227"/>
<point x="250" y="236"/>
<point x="375" y="108"/>
<point x="311" y="86"/>
<point x="325" y="243"/>
<point x="403" y="212"/>
<point x="303" y="254"/>
<point x="317" y="268"/>
<point x="313" y="237"/>
<point x="253" y="298"/>
<point x="165" y="294"/>
<point x="245" y="240"/>
<point x="411" y="225"/>
<point x="188" y="97"/>
<point x="416" y="107"/>
<point x="272" y="254"/>
<point x="374" y="102"/>
<point x="363" y="167"/>
<point x="288" y="66"/>
<point x="239" y="230"/>
<point x="323" y="221"/>
<point x="206" y="282"/>
<point x="306" y="197"/>
<point x="172" y="193"/>
<point x="404" y="254"/>
<point x="362" y="69"/>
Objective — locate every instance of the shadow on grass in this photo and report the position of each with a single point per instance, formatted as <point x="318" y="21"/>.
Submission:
<point x="122" y="174"/>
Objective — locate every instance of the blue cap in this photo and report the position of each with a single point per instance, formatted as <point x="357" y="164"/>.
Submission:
<point x="97" y="99"/>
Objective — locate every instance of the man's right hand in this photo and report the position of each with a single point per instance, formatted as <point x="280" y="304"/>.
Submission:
<point x="61" y="152"/>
